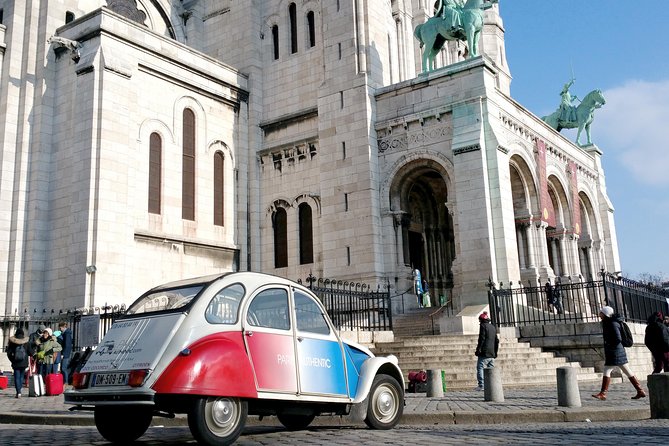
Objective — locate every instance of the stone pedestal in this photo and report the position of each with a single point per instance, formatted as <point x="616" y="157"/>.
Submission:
<point x="567" y="387"/>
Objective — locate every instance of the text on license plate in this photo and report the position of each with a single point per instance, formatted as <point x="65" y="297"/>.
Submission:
<point x="111" y="379"/>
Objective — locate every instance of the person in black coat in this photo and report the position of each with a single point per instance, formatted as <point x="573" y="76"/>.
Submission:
<point x="614" y="354"/>
<point x="486" y="348"/>
<point x="19" y="360"/>
<point x="657" y="341"/>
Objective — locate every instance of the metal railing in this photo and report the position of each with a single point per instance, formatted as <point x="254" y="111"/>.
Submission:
<point x="530" y="304"/>
<point x="30" y="321"/>
<point x="353" y="305"/>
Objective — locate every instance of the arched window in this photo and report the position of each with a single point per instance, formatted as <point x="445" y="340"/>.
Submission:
<point x="155" y="172"/>
<point x="306" y="235"/>
<point x="280" y="226"/>
<point x="219" y="163"/>
<point x="292" y="12"/>
<point x="311" y="25"/>
<point x="188" y="173"/>
<point x="275" y="41"/>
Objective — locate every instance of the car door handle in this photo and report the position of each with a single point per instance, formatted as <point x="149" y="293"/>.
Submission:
<point x="248" y="333"/>
<point x="300" y="339"/>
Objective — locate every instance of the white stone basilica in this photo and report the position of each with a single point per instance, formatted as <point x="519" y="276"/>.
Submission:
<point x="152" y="140"/>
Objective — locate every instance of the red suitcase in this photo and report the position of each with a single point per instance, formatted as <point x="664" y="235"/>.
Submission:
<point x="3" y="382"/>
<point x="53" y="384"/>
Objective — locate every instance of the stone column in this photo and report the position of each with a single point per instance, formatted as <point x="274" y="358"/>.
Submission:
<point x="521" y="246"/>
<point x="531" y="252"/>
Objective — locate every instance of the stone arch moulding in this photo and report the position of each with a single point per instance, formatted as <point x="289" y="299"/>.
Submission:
<point x="312" y="199"/>
<point x="216" y="145"/>
<point x="527" y="176"/>
<point x="563" y="212"/>
<point x="431" y="159"/>
<point x="278" y="203"/>
<point x="200" y="118"/>
<point x="151" y="125"/>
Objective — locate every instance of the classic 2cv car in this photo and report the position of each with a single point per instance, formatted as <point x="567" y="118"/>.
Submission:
<point x="220" y="348"/>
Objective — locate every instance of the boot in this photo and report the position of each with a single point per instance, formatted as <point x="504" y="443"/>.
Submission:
<point x="639" y="391"/>
<point x="605" y="387"/>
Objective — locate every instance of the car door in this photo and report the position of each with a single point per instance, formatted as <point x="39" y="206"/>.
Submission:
<point x="268" y="335"/>
<point x="321" y="367"/>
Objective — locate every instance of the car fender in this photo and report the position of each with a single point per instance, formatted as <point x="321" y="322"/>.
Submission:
<point x="387" y="365"/>
<point x="216" y="365"/>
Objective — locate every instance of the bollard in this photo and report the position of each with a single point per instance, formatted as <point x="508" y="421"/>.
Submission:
<point x="434" y="384"/>
<point x="658" y="389"/>
<point x="567" y="387"/>
<point x="492" y="389"/>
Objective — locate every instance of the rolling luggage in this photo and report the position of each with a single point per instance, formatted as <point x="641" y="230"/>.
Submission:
<point x="53" y="384"/>
<point x="3" y="382"/>
<point x="35" y="385"/>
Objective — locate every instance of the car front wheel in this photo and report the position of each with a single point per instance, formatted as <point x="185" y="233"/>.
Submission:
<point x="122" y="424"/>
<point x="217" y="421"/>
<point x="385" y="403"/>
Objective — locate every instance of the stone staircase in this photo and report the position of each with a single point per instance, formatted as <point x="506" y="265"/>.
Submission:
<point x="418" y="322"/>
<point x="521" y="364"/>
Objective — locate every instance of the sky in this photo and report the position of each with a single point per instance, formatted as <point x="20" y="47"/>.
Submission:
<point x="618" y="48"/>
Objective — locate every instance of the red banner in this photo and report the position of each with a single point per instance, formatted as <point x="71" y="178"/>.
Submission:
<point x="547" y="210"/>
<point x="576" y="203"/>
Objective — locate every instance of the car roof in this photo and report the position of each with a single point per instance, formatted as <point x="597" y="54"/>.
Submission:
<point x="209" y="279"/>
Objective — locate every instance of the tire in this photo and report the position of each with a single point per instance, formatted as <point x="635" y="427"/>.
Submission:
<point x="295" y="422"/>
<point x="385" y="403"/>
<point x="122" y="424"/>
<point x="217" y="421"/>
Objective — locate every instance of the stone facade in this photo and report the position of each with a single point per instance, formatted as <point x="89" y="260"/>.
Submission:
<point x="339" y="159"/>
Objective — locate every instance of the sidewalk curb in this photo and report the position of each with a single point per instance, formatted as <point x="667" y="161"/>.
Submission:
<point x="435" y="418"/>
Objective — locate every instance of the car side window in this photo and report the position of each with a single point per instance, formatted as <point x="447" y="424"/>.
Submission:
<point x="308" y="315"/>
<point x="224" y="307"/>
<point x="269" y="309"/>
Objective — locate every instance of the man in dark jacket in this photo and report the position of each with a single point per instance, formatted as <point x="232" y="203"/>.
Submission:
<point x="66" y="342"/>
<point x="17" y="352"/>
<point x="657" y="341"/>
<point x="486" y="348"/>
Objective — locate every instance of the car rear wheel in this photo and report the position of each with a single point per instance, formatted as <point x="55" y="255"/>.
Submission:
<point x="294" y="422"/>
<point x="217" y="421"/>
<point x="122" y="424"/>
<point x="385" y="403"/>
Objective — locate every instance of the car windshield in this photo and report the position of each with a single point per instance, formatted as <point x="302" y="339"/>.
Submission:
<point x="172" y="299"/>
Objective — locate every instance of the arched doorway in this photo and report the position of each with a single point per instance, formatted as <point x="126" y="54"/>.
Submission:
<point x="419" y="194"/>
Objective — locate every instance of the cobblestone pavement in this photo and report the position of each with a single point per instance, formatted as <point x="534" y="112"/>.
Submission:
<point x="647" y="432"/>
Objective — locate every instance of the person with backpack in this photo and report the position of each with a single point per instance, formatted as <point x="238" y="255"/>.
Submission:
<point x="657" y="341"/>
<point x="17" y="352"/>
<point x="614" y="353"/>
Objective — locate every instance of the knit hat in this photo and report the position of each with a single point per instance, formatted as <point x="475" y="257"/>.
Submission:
<point x="607" y="311"/>
<point x="19" y="333"/>
<point x="41" y="328"/>
<point x="484" y="316"/>
<point x="49" y="331"/>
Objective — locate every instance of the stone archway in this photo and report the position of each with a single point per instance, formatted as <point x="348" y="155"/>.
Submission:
<point x="419" y="196"/>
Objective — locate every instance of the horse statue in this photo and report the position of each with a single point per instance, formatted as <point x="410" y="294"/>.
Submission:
<point x="582" y="116"/>
<point x="436" y="31"/>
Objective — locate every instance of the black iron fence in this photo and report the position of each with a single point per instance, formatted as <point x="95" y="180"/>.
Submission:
<point x="88" y="325"/>
<point x="571" y="302"/>
<point x="352" y="305"/>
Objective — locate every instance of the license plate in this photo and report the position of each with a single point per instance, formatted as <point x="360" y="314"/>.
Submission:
<point x="110" y="379"/>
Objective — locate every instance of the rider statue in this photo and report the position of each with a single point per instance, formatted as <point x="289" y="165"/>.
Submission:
<point x="567" y="109"/>
<point x="450" y="11"/>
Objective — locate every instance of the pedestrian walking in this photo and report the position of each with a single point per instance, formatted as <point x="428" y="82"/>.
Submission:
<point x="486" y="348"/>
<point x="548" y="289"/>
<point x="614" y="353"/>
<point x="557" y="297"/>
<point x="17" y="352"/>
<point x="657" y="341"/>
